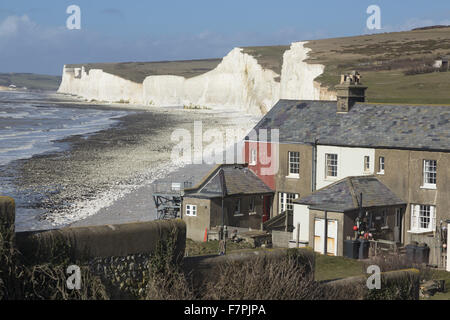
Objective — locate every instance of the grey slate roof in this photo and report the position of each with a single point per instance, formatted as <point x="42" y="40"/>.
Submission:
<point x="365" y="125"/>
<point x="344" y="195"/>
<point x="238" y="180"/>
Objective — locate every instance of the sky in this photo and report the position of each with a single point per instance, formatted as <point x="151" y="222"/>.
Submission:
<point x="34" y="36"/>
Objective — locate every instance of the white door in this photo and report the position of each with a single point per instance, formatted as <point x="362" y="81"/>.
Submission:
<point x="319" y="234"/>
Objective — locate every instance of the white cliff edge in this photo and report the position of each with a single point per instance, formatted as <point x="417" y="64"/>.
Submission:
<point x="237" y="82"/>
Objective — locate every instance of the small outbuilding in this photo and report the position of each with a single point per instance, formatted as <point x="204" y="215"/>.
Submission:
<point x="361" y="201"/>
<point x="246" y="201"/>
<point x="442" y="63"/>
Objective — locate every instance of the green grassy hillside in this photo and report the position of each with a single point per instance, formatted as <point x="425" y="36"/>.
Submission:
<point x="383" y="59"/>
<point x="30" y="81"/>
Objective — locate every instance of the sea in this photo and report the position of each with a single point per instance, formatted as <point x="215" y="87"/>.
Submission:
<point x="32" y="123"/>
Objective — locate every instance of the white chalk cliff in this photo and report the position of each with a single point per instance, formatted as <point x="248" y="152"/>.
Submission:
<point x="238" y="81"/>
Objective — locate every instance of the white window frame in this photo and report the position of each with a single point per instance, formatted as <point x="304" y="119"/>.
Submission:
<point x="384" y="219"/>
<point x="366" y="164"/>
<point x="251" y="206"/>
<point x="428" y="173"/>
<point x="191" y="210"/>
<point x="292" y="156"/>
<point x="329" y="164"/>
<point x="285" y="201"/>
<point x="253" y="157"/>
<point x="381" y="165"/>
<point x="423" y="215"/>
<point x="238" y="206"/>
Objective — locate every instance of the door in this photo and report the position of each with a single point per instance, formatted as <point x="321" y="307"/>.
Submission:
<point x="398" y="225"/>
<point x="266" y="208"/>
<point x="319" y="236"/>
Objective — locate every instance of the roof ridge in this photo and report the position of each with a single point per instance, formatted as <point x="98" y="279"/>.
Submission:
<point x="352" y="192"/>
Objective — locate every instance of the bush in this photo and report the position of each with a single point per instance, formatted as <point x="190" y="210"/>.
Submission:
<point x="264" y="279"/>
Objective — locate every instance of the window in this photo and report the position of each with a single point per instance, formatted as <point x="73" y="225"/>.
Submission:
<point x="237" y="207"/>
<point x="398" y="217"/>
<point x="423" y="218"/>
<point x="286" y="202"/>
<point x="294" y="163"/>
<point x="331" y="161"/>
<point x="384" y="220"/>
<point x="381" y="165"/>
<point x="251" y="205"/>
<point x="191" y="210"/>
<point x="366" y="163"/>
<point x="253" y="158"/>
<point x="429" y="173"/>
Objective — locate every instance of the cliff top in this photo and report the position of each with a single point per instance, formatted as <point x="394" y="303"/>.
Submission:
<point x="138" y="71"/>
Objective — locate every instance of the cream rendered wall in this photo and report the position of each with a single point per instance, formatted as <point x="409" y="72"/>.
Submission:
<point x="301" y="215"/>
<point x="350" y="163"/>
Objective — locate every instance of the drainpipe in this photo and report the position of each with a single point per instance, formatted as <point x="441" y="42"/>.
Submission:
<point x="325" y="241"/>
<point x="448" y="245"/>
<point x="314" y="166"/>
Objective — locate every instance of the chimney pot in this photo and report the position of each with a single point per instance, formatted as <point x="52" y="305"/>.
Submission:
<point x="350" y="91"/>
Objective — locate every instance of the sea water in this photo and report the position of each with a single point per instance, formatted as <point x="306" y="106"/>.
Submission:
<point x="32" y="124"/>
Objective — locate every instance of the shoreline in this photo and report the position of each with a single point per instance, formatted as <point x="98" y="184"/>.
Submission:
<point x="113" y="168"/>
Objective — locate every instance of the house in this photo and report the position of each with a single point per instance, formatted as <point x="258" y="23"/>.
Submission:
<point x="343" y="202"/>
<point x="245" y="198"/>
<point x="441" y="63"/>
<point x="405" y="147"/>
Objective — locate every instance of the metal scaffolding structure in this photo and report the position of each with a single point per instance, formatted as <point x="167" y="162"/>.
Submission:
<point x="168" y="196"/>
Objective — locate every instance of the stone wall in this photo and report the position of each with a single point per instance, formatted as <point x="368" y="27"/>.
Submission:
<point x="280" y="239"/>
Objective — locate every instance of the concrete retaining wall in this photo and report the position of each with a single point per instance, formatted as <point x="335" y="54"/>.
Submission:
<point x="102" y="241"/>
<point x="280" y="239"/>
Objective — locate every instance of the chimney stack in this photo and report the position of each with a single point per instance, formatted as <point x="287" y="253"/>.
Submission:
<point x="350" y="91"/>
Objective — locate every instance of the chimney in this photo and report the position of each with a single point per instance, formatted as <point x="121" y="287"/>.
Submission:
<point x="350" y="91"/>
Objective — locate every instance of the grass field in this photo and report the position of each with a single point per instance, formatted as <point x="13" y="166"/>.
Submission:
<point x="30" y="81"/>
<point x="382" y="60"/>
<point x="138" y="71"/>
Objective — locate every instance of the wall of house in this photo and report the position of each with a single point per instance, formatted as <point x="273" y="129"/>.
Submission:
<point x="195" y="225"/>
<point x="284" y="183"/>
<point x="403" y="174"/>
<point x="301" y="216"/>
<point x="245" y="219"/>
<point x="267" y="163"/>
<point x="350" y="163"/>
<point x="339" y="217"/>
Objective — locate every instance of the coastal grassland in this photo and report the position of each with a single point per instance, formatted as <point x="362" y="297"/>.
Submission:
<point x="138" y="71"/>
<point x="30" y="81"/>
<point x="383" y="59"/>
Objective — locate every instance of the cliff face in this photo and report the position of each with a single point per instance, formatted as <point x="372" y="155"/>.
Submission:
<point x="238" y="82"/>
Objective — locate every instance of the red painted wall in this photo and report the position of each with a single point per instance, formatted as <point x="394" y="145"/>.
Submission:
<point x="264" y="159"/>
